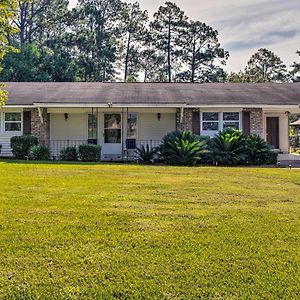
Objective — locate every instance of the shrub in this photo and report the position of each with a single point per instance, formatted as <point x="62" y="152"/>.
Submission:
<point x="39" y="152"/>
<point x="69" y="154"/>
<point x="229" y="147"/>
<point x="89" y="153"/>
<point x="272" y="158"/>
<point x="257" y="150"/>
<point x="146" y="155"/>
<point x="20" y="145"/>
<point x="182" y="148"/>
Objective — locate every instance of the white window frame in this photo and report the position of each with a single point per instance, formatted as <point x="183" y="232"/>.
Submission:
<point x="220" y="122"/>
<point x="3" y="122"/>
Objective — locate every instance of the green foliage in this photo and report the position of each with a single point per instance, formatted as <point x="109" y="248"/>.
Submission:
<point x="265" y="66"/>
<point x="295" y="72"/>
<point x="20" y="145"/>
<point x="89" y="153"/>
<point x="257" y="150"/>
<point x="39" y="152"/>
<point x="146" y="155"/>
<point x="7" y="14"/>
<point x="229" y="147"/>
<point x="167" y="28"/>
<point x="181" y="148"/>
<point x="69" y="154"/>
<point x="201" y="50"/>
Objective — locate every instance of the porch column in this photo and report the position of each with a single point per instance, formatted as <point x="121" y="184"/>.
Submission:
<point x="256" y="121"/>
<point x="40" y="125"/>
<point x="185" y="122"/>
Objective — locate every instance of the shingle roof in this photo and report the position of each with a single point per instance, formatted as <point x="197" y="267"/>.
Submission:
<point x="27" y="93"/>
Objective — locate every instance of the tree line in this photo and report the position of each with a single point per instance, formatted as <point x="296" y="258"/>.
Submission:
<point x="110" y="40"/>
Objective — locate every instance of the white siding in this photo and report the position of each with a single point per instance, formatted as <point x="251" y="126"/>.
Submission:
<point x="150" y="128"/>
<point x="6" y="136"/>
<point x="74" y="128"/>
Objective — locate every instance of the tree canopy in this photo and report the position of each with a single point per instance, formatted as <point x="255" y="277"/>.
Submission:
<point x="7" y="8"/>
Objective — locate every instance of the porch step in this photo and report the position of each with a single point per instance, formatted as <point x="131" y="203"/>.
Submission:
<point x="289" y="157"/>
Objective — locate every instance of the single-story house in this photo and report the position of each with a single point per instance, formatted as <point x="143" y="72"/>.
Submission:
<point x="122" y="116"/>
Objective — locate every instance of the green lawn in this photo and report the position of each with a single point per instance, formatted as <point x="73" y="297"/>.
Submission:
<point x="138" y="232"/>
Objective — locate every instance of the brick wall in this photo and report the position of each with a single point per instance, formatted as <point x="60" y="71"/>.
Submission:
<point x="39" y="129"/>
<point x="256" y="121"/>
<point x="187" y="121"/>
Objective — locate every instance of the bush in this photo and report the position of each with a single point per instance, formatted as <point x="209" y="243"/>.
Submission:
<point x="89" y="153"/>
<point x="229" y="147"/>
<point x="146" y="155"/>
<point x="69" y="154"/>
<point x="258" y="151"/>
<point x="39" y="152"/>
<point x="20" y="145"/>
<point x="182" y="148"/>
<point x="272" y="158"/>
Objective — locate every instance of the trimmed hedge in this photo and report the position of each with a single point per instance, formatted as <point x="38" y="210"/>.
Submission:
<point x="69" y="154"/>
<point x="20" y="145"/>
<point x="89" y="153"/>
<point x="39" y="152"/>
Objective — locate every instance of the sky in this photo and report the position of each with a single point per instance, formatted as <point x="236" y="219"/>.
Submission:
<point x="244" y="26"/>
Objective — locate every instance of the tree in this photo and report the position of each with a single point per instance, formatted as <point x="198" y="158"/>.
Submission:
<point x="201" y="50"/>
<point x="134" y="22"/>
<point x="35" y="63"/>
<point x="295" y="73"/>
<point x="168" y="28"/>
<point x="265" y="66"/>
<point x="7" y="8"/>
<point x="96" y="33"/>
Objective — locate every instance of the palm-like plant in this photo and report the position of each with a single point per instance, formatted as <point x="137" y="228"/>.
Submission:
<point x="257" y="150"/>
<point x="182" y="148"/>
<point x="229" y="147"/>
<point x="146" y="155"/>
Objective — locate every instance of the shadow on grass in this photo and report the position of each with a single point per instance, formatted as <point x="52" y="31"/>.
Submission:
<point x="124" y="163"/>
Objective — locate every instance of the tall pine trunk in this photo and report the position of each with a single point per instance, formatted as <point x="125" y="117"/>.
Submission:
<point x="127" y="58"/>
<point x="169" y="53"/>
<point x="193" y="62"/>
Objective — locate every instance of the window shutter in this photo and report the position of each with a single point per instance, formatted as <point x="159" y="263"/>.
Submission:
<point x="27" y="122"/>
<point x="196" y="122"/>
<point x="246" y="122"/>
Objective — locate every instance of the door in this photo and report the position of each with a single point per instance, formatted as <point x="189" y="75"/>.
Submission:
<point x="112" y="134"/>
<point x="273" y="131"/>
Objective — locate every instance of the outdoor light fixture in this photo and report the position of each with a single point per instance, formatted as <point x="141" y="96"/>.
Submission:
<point x="109" y="104"/>
<point x="158" y="116"/>
<point x="287" y="113"/>
<point x="66" y="116"/>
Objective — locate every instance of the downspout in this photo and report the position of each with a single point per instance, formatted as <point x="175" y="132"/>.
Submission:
<point x="181" y="114"/>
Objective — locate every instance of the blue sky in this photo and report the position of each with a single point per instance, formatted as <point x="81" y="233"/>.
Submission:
<point x="245" y="25"/>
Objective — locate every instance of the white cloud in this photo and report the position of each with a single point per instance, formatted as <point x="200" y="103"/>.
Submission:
<point x="245" y="25"/>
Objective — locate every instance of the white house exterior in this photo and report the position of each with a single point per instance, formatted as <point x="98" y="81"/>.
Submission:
<point x="120" y="116"/>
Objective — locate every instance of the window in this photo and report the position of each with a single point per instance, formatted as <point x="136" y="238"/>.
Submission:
<point x="215" y="121"/>
<point x="92" y="126"/>
<point x="132" y="126"/>
<point x="112" y="128"/>
<point x="210" y="121"/>
<point x="231" y="119"/>
<point x="12" y="121"/>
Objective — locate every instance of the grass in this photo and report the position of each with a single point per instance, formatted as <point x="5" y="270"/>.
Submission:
<point x="138" y="232"/>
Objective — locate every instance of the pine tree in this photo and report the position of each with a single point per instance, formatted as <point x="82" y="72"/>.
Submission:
<point x="134" y="22"/>
<point x="265" y="66"/>
<point x="202" y="51"/>
<point x="168" y="27"/>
